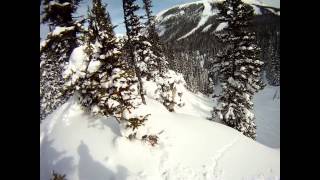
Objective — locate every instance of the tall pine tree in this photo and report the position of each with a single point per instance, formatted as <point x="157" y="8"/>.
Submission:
<point x="154" y="39"/>
<point x="133" y="29"/>
<point x="239" y="68"/>
<point x="165" y="80"/>
<point x="55" y="51"/>
<point x="140" y="49"/>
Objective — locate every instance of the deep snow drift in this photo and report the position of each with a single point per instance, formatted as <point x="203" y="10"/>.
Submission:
<point x="190" y="146"/>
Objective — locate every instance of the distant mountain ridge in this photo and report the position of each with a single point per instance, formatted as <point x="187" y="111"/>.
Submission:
<point x="187" y="31"/>
<point x="200" y="16"/>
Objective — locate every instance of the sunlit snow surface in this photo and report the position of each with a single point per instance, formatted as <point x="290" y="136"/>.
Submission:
<point x="190" y="146"/>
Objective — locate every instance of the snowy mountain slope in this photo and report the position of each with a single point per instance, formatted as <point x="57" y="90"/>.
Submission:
<point x="190" y="147"/>
<point x="206" y="13"/>
<point x="267" y="111"/>
<point x="184" y="20"/>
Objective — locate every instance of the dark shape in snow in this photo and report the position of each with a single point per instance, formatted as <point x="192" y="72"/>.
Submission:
<point x="53" y="160"/>
<point x="89" y="169"/>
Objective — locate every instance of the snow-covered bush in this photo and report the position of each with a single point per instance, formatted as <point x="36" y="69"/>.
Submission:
<point x="57" y="176"/>
<point x="170" y="89"/>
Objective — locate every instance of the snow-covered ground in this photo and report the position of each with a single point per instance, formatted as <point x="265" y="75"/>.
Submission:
<point x="267" y="111"/>
<point x="190" y="146"/>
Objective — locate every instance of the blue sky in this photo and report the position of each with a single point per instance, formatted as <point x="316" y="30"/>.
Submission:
<point x="115" y="9"/>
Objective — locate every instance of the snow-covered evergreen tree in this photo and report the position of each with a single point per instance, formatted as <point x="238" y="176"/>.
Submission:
<point x="55" y="51"/>
<point x="105" y="83"/>
<point x="153" y="37"/>
<point x="167" y="81"/>
<point x="170" y="89"/>
<point x="239" y="68"/>
<point x="140" y="49"/>
<point x="59" y="12"/>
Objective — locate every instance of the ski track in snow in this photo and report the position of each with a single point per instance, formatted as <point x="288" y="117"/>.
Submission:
<point x="220" y="153"/>
<point x="209" y="171"/>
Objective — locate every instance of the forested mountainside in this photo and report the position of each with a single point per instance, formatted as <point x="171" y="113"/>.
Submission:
<point x="188" y="34"/>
